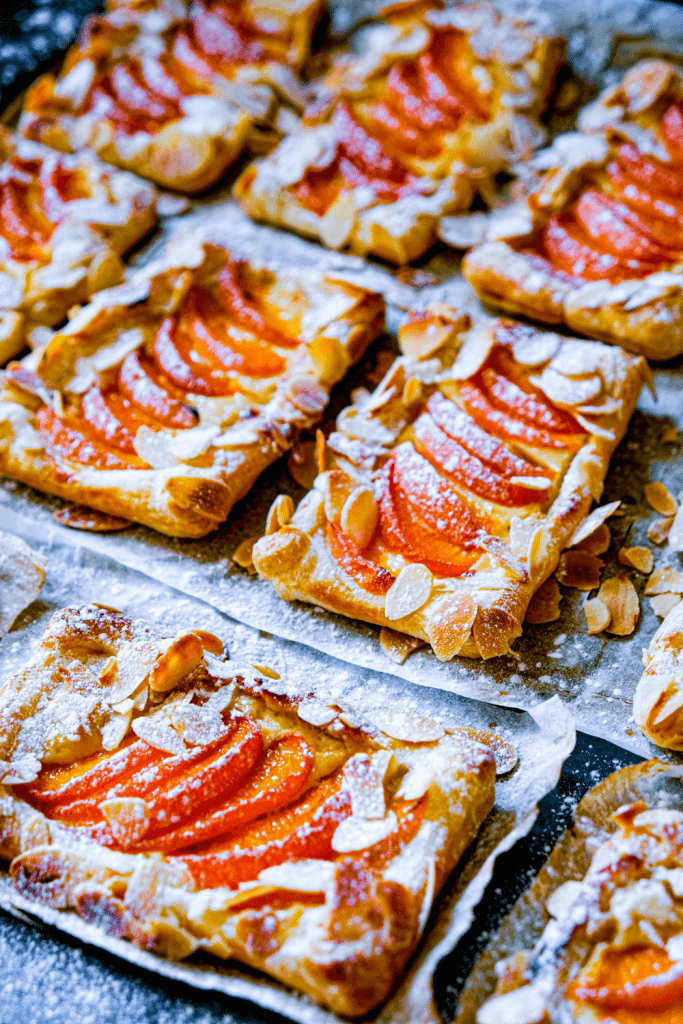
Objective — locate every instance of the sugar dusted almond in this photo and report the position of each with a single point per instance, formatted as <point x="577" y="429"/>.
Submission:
<point x="336" y="227"/>
<point x="80" y="517"/>
<point x="663" y="603"/>
<point x="301" y="463"/>
<point x="580" y="570"/>
<point x="398" y="646"/>
<point x="419" y="338"/>
<point x="658" y="531"/>
<point x="157" y="731"/>
<point x="321" y="454"/>
<point x="660" y="498"/>
<point x="620" y="596"/>
<point x="568" y="391"/>
<point x="279" y="513"/>
<point x="592" y="522"/>
<point x="598" y="542"/>
<point x="329" y="357"/>
<point x="114" y="731"/>
<point x="212" y="644"/>
<point x="242" y="555"/>
<point x="597" y="615"/>
<point x="129" y="818"/>
<point x="451" y="629"/>
<point x="359" y="516"/>
<point x="665" y="581"/>
<point x="406" y="724"/>
<point x="176" y="662"/>
<point x="413" y="393"/>
<point x="638" y="558"/>
<point x="411" y="590"/>
<point x="265" y="670"/>
<point x="316" y="713"/>
<point x="676" y="531"/>
<point x="545" y="604"/>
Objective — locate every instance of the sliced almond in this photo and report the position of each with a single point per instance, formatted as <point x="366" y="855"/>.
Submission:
<point x="330" y="358"/>
<point x="158" y="733"/>
<point x="336" y="226"/>
<point x="128" y="670"/>
<point x="242" y="555"/>
<point x="411" y="591"/>
<point x="114" y="731"/>
<point x="545" y="603"/>
<point x="660" y="498"/>
<point x="598" y="542"/>
<point x="265" y="670"/>
<point x="663" y="603"/>
<point x="316" y="713"/>
<point x="176" y="662"/>
<point x="212" y="644"/>
<point x="321" y="454"/>
<point x="658" y="531"/>
<point x="592" y="522"/>
<point x="422" y="335"/>
<point x="407" y="725"/>
<point x="413" y="393"/>
<point x="580" y="570"/>
<point x="671" y="436"/>
<point x="621" y="599"/>
<point x="567" y="391"/>
<point x="279" y="513"/>
<point x="302" y="465"/>
<point x="398" y="646"/>
<point x="359" y="516"/>
<point x="129" y="818"/>
<point x="337" y="488"/>
<point x="665" y="581"/>
<point x="80" y="517"/>
<point x="639" y="558"/>
<point x="676" y="531"/>
<point x="597" y="615"/>
<point x="451" y="628"/>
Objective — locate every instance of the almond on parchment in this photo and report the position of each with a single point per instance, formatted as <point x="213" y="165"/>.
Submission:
<point x="659" y="497"/>
<point x="242" y="555"/>
<point x="398" y="646"/>
<point x="663" y="603"/>
<point x="411" y="590"/>
<point x="591" y="523"/>
<point x="639" y="558"/>
<point x="658" y="531"/>
<point x="597" y="543"/>
<point x="544" y="606"/>
<point x="279" y="513"/>
<point x="665" y="581"/>
<point x="621" y="599"/>
<point x="676" y="531"/>
<point x="580" y="570"/>
<point x="597" y="615"/>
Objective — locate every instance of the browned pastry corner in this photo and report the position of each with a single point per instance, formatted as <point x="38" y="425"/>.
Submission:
<point x="22" y="573"/>
<point x="165" y="398"/>
<point x="438" y="102"/>
<point x="450" y="492"/>
<point x="177" y="91"/>
<point x="599" y="246"/>
<point x="193" y="803"/>
<point x="65" y="221"/>
<point x="605" y="914"/>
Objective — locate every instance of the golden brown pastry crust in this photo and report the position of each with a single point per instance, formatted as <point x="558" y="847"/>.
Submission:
<point x="510" y="63"/>
<point x="479" y="612"/>
<point x="642" y="315"/>
<point x="202" y="106"/>
<point x="345" y="924"/>
<point x="625" y="841"/>
<point x="193" y="476"/>
<point x="85" y="233"/>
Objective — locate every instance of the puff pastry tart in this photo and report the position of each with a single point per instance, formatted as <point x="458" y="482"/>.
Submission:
<point x="453" y="489"/>
<point x="165" y="398"/>
<point x="612" y="948"/>
<point x="439" y="101"/>
<point x="193" y="803"/>
<point x="600" y="245"/>
<point x="175" y="93"/>
<point x="659" y="695"/>
<point x="64" y="223"/>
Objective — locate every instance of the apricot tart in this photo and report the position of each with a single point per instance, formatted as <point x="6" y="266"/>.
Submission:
<point x="165" y="398"/>
<point x="658" y="701"/>
<point x="611" y="951"/>
<point x="185" y="802"/>
<point x="64" y="223"/>
<point x="439" y="101"/>
<point x="176" y="92"/>
<point x="448" y="494"/>
<point x="600" y="247"/>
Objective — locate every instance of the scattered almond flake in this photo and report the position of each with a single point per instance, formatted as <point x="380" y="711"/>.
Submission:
<point x="302" y="876"/>
<point x="597" y="615"/>
<point x="364" y="779"/>
<point x="639" y="558"/>
<point x="665" y="581"/>
<point x="410" y="592"/>
<point x="177" y="659"/>
<point x="211" y="643"/>
<point x="80" y="517"/>
<point x="406" y="724"/>
<point x="663" y="603"/>
<point x="598" y="542"/>
<point x="359" y="833"/>
<point x="621" y="599"/>
<point x="129" y="818"/>
<point x="279" y="513"/>
<point x="157" y="731"/>
<point x="504" y="752"/>
<point x="660" y="498"/>
<point x="22" y="572"/>
<point x="580" y="570"/>
<point x="658" y="531"/>
<point x="198" y="724"/>
<point x="420" y="339"/>
<point x="114" y="731"/>
<point x="413" y="393"/>
<point x="267" y="671"/>
<point x="125" y="673"/>
<point x="671" y="436"/>
<point x="676" y="531"/>
<point x="592" y="522"/>
<point x="359" y="516"/>
<point x="316" y="713"/>
<point x="545" y="603"/>
<point x="302" y="465"/>
<point x="398" y="646"/>
<point x="242" y="555"/>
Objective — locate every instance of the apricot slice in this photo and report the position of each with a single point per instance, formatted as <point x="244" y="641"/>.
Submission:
<point x="618" y="230"/>
<point x="364" y="151"/>
<point x="672" y="130"/>
<point x="142" y="386"/>
<point x="570" y="250"/>
<point x="639" y="978"/>
<point x="73" y="444"/>
<point x="244" y="310"/>
<point x="367" y="574"/>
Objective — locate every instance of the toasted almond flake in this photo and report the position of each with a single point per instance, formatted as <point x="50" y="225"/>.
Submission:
<point x="125" y="673"/>
<point x="279" y="513"/>
<point x="538" y="553"/>
<point x="210" y="643"/>
<point x="398" y="646"/>
<point x="597" y="543"/>
<point x="658" y="531"/>
<point x="660" y="498"/>
<point x="265" y="670"/>
<point x="676" y="531"/>
<point x="140" y="697"/>
<point x="242" y="555"/>
<point x="420" y="339"/>
<point x="638" y="558"/>
<point x="450" y="630"/>
<point x="663" y="603"/>
<point x="359" y="516"/>
<point x="621" y="599"/>
<point x="158" y="733"/>
<point x="567" y="392"/>
<point x="198" y="725"/>
<point x="580" y="570"/>
<point x="80" y="517"/>
<point x="535" y="349"/>
<point x="114" y="731"/>
<point x="413" y="393"/>
<point x="302" y="465"/>
<point x="316" y="713"/>
<point x="545" y="603"/>
<point x="505" y="754"/>
<point x="410" y="592"/>
<point x="540" y="483"/>
<point x="671" y="436"/>
<point x="406" y="724"/>
<point x="665" y="581"/>
<point x="320" y="451"/>
<point x="597" y="615"/>
<point x="336" y="227"/>
<point x="592" y="522"/>
<point x="364" y="779"/>
<point x="359" y="833"/>
<point x="476" y="345"/>
<point x="129" y="818"/>
<point x="180" y="657"/>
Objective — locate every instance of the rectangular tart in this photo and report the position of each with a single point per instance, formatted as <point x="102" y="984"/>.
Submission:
<point x="175" y="92"/>
<point x="164" y="399"/>
<point x="608" y="912"/>
<point x="185" y="802"/>
<point x="438" y="102"/>
<point x="447" y="495"/>
<point x="65" y="221"/>
<point x="599" y="246"/>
